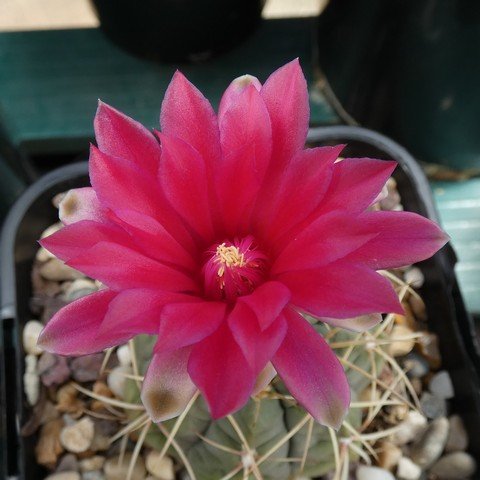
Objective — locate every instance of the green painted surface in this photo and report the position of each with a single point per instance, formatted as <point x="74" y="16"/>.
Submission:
<point x="459" y="208"/>
<point x="50" y="81"/>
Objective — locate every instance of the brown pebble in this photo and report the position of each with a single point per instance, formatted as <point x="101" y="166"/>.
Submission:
<point x="100" y="388"/>
<point x="401" y="347"/>
<point x="38" y="416"/>
<point x="428" y="346"/>
<point x="53" y="369"/>
<point x="67" y="463"/>
<point x="41" y="286"/>
<point x="51" y="306"/>
<point x="418" y="307"/>
<point x="68" y="401"/>
<point x="93" y="463"/>
<point x="388" y="455"/>
<point x="87" y="367"/>
<point x="100" y="443"/>
<point x="48" y="447"/>
<point x="417" y="385"/>
<point x="86" y="454"/>
<point x="457" y="435"/>
<point x="397" y="414"/>
<point x="407" y="320"/>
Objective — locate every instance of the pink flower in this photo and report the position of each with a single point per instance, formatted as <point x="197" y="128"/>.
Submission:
<point x="216" y="235"/>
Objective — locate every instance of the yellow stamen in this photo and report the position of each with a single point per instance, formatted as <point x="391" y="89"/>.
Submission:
<point x="228" y="257"/>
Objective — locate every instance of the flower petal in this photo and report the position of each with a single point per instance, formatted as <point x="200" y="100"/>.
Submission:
<point x="267" y="302"/>
<point x="312" y="372"/>
<point x="74" y="239"/>
<point x="238" y="185"/>
<point x="258" y="346"/>
<point x="124" y="188"/>
<point x="73" y="329"/>
<point x="183" y="178"/>
<point x="233" y="91"/>
<point x="403" y="238"/>
<point x="122" y="185"/>
<point x="121" y="268"/>
<point x="121" y="136"/>
<point x="183" y="324"/>
<point x="247" y="122"/>
<point x="153" y="239"/>
<point x="286" y="97"/>
<point x="219" y="369"/>
<point x="264" y="378"/>
<point x="188" y="115"/>
<point x="81" y="204"/>
<point x="137" y="311"/>
<point x="328" y="238"/>
<point x="341" y="290"/>
<point x="167" y="387"/>
<point x="284" y="205"/>
<point x="356" y="324"/>
<point x="246" y="136"/>
<point x="356" y="183"/>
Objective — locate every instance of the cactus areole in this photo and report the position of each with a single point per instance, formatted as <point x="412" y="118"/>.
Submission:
<point x="217" y="234"/>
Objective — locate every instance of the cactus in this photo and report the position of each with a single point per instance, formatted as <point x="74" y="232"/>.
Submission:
<point x="258" y="437"/>
<point x="272" y="437"/>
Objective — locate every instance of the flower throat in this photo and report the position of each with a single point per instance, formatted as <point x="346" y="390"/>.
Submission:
<point x="233" y="269"/>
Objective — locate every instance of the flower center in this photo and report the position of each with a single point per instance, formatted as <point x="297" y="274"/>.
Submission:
<point x="233" y="269"/>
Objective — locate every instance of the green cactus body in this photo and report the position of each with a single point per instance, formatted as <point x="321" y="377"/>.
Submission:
<point x="215" y="449"/>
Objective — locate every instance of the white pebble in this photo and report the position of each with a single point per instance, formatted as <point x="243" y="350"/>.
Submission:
<point x="118" y="471"/>
<point x="455" y="466"/>
<point x="57" y="271"/>
<point x="31" y="332"/>
<point x="31" y="363"/>
<point x="441" y="385"/>
<point x="116" y="379"/>
<point x="51" y="229"/>
<point x="78" y="437"/>
<point x="414" y="277"/>
<point x="31" y="380"/>
<point x="160" y="466"/>
<point x="124" y="355"/>
<point x="413" y="426"/>
<point x="365" y="472"/>
<point x="428" y="447"/>
<point x="93" y="475"/>
<point x="79" y="288"/>
<point x="43" y="255"/>
<point x="407" y="470"/>
<point x="64" y="476"/>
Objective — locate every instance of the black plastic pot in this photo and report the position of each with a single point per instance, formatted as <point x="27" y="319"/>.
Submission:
<point x="33" y="212"/>
<point x="30" y="215"/>
<point x="178" y="30"/>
